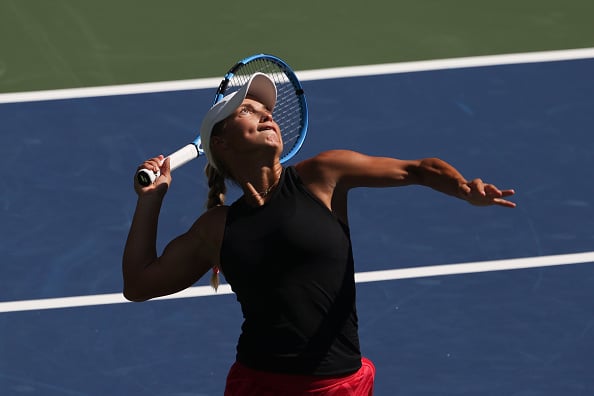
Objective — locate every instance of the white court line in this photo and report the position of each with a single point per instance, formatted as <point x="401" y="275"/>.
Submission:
<point x="343" y="72"/>
<point x="339" y="72"/>
<point x="361" y="277"/>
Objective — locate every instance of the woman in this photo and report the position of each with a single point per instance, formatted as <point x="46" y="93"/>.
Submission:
<point x="284" y="246"/>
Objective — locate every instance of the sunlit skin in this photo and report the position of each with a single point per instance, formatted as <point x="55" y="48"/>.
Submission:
<point x="250" y="136"/>
<point x="249" y="146"/>
<point x="253" y="122"/>
<point x="246" y="148"/>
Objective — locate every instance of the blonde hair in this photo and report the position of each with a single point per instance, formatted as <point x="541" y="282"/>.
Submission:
<point x="216" y="185"/>
<point x="216" y="194"/>
<point x="216" y="197"/>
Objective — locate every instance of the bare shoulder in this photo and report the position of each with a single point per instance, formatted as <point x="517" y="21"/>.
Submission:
<point x="326" y="164"/>
<point x="347" y="169"/>
<point x="342" y="161"/>
<point x="205" y="236"/>
<point x="216" y="214"/>
<point x="211" y="224"/>
<point x="331" y="158"/>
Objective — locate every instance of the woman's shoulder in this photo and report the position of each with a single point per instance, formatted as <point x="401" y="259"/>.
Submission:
<point x="332" y="155"/>
<point x="211" y="223"/>
<point x="329" y="161"/>
<point x="206" y="234"/>
<point x="215" y="215"/>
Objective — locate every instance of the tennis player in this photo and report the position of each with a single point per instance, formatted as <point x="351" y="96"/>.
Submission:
<point x="283" y="246"/>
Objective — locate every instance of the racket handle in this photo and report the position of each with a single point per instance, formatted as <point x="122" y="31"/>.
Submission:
<point x="182" y="156"/>
<point x="146" y="177"/>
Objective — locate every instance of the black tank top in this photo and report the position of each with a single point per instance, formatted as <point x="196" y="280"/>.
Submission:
<point x="290" y="264"/>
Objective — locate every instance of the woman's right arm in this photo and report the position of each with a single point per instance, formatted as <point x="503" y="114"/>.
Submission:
<point x="183" y="261"/>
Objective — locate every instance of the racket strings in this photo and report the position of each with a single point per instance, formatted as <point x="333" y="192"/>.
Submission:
<point x="288" y="113"/>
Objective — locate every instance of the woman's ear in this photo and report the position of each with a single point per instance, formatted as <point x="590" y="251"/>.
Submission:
<point x="217" y="141"/>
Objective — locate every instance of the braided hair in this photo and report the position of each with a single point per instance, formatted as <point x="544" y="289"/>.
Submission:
<point x="217" y="189"/>
<point x="216" y="197"/>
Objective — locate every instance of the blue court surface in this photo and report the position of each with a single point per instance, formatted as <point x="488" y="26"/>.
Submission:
<point x="67" y="201"/>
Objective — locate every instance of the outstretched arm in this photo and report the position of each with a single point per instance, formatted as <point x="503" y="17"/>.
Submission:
<point x="331" y="174"/>
<point x="442" y="176"/>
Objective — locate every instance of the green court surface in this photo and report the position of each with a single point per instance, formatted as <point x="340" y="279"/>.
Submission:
<point x="75" y="43"/>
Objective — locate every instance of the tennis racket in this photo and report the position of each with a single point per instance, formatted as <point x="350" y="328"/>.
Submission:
<point x="290" y="111"/>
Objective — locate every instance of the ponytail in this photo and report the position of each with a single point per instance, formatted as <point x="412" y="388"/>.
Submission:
<point x="216" y="197"/>
<point x="216" y="185"/>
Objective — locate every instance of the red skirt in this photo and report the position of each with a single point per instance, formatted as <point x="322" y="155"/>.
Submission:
<point x="243" y="381"/>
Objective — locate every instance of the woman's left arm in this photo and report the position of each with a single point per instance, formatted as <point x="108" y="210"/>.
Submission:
<point x="342" y="170"/>
<point x="443" y="177"/>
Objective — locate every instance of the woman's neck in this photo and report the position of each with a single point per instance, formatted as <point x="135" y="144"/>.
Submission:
<point x="258" y="186"/>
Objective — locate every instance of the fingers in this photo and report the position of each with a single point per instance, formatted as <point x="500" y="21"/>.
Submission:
<point x="159" y="166"/>
<point x="485" y="190"/>
<point x="492" y="191"/>
<point x="476" y="190"/>
<point x="153" y="164"/>
<point x="166" y="167"/>
<point x="482" y="194"/>
<point x="504" y="202"/>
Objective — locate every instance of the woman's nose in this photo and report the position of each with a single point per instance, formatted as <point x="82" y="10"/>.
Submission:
<point x="266" y="116"/>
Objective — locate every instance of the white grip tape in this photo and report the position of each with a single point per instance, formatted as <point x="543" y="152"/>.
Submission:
<point x="177" y="159"/>
<point x="183" y="156"/>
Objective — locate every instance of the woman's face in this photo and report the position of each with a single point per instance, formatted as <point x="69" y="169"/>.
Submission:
<point x="251" y="129"/>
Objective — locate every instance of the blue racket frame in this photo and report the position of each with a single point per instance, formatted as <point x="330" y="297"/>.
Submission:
<point x="298" y="90"/>
<point x="194" y="149"/>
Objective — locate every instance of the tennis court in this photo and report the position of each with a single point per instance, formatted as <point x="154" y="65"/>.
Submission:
<point x="452" y="299"/>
